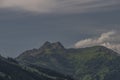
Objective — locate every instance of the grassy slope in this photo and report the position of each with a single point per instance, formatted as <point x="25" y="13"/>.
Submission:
<point x="96" y="63"/>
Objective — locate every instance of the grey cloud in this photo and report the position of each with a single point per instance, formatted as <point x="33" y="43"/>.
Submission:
<point x="64" y="6"/>
<point x="29" y="5"/>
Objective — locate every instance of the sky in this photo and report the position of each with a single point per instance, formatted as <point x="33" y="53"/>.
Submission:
<point x="27" y="24"/>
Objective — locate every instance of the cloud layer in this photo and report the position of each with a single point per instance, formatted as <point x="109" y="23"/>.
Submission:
<point x="29" y="5"/>
<point x="109" y="40"/>
<point x="60" y="6"/>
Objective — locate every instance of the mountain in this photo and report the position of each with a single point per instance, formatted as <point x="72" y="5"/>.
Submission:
<point x="10" y="69"/>
<point x="50" y="55"/>
<point x="91" y="63"/>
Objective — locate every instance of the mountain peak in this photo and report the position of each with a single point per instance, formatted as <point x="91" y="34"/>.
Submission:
<point x="46" y="44"/>
<point x="55" y="45"/>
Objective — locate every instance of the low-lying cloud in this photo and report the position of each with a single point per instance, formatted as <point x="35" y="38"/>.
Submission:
<point x="109" y="40"/>
<point x="60" y="6"/>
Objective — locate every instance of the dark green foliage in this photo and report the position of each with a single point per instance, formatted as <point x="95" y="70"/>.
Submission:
<point x="9" y="70"/>
<point x="12" y="60"/>
<point x="51" y="72"/>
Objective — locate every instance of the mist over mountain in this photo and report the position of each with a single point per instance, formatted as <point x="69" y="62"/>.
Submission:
<point x="90" y="63"/>
<point x="88" y="31"/>
<point x="52" y="61"/>
<point x="109" y="39"/>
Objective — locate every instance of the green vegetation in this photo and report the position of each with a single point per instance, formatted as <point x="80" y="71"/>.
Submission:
<point x="92" y="63"/>
<point x="10" y="69"/>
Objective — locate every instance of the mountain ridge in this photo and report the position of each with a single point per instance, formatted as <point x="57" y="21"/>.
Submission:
<point x="10" y="69"/>
<point x="45" y="47"/>
<point x="82" y="63"/>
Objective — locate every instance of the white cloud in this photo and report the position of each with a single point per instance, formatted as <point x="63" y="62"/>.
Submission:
<point x="109" y="40"/>
<point x="59" y="6"/>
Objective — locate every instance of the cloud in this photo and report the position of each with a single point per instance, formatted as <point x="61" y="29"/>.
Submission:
<point x="109" y="40"/>
<point x="59" y="6"/>
<point x="29" y="5"/>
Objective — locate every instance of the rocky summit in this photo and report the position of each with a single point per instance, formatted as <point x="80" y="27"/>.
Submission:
<point x="91" y="63"/>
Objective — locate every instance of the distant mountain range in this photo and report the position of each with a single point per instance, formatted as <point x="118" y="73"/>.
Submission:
<point x="53" y="61"/>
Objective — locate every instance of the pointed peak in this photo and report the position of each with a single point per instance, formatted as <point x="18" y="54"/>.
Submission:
<point x="56" y="45"/>
<point x="47" y="43"/>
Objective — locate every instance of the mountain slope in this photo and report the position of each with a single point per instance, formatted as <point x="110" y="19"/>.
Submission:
<point x="11" y="70"/>
<point x="50" y="55"/>
<point x="92" y="63"/>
